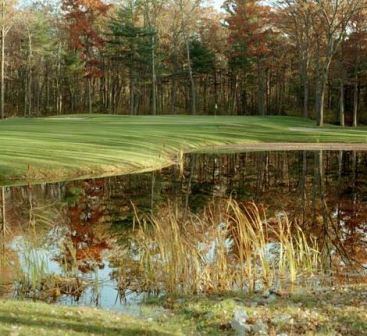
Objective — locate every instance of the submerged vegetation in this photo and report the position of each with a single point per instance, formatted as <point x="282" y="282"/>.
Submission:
<point x="52" y="149"/>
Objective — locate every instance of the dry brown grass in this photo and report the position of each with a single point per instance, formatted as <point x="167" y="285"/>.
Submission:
<point x="225" y="248"/>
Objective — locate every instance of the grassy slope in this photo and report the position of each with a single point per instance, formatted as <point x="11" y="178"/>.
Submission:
<point x="83" y="146"/>
<point x="27" y="318"/>
<point x="339" y="311"/>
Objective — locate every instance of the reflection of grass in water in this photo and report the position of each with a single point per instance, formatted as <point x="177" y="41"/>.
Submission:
<point x="35" y="279"/>
<point x="34" y="267"/>
<point x="224" y="249"/>
<point x="33" y="272"/>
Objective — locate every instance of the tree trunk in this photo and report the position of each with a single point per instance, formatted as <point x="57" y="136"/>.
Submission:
<point x="355" y="101"/>
<point x="215" y="92"/>
<point x="322" y="72"/>
<point x="341" y="104"/>
<point x="2" y="80"/>
<point x="173" y="96"/>
<point x="261" y="92"/>
<point x="191" y="77"/>
<point x="305" y="60"/>
<point x="305" y="95"/>
<point x="29" y="75"/>
<point x="154" y="79"/>
<point x="58" y="93"/>
<point x="320" y="114"/>
<point x="320" y="97"/>
<point x="90" y="104"/>
<point x="244" y="98"/>
<point x="132" y="92"/>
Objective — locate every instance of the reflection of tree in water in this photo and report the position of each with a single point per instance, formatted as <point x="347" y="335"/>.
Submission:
<point x="6" y="257"/>
<point x="351" y="206"/>
<point x="324" y="191"/>
<point x="86" y="239"/>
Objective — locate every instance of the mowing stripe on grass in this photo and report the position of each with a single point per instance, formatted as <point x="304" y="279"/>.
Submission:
<point x="75" y="146"/>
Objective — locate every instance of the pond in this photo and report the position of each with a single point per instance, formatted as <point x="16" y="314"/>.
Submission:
<point x="61" y="242"/>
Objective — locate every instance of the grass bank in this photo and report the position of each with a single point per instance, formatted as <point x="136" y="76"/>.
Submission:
<point x="336" y="311"/>
<point x="22" y="318"/>
<point x="80" y="146"/>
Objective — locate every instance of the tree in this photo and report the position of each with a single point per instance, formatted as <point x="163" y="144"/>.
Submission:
<point x="152" y="9"/>
<point x="249" y="34"/>
<point x="329" y="24"/>
<point x="6" y="22"/>
<point x="81" y="17"/>
<point x="39" y="45"/>
<point x="131" y="45"/>
<point x="296" y="22"/>
<point x="202" y="58"/>
<point x="355" y="56"/>
<point x="187" y="10"/>
<point x="182" y="56"/>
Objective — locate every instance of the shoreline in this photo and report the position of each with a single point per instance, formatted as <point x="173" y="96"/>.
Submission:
<point x="104" y="172"/>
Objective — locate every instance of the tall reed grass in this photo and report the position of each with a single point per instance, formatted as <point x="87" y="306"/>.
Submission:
<point x="37" y="281"/>
<point x="230" y="246"/>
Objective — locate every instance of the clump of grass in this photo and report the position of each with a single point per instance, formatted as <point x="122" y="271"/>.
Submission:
<point x="34" y="269"/>
<point x="230" y="246"/>
<point x="36" y="281"/>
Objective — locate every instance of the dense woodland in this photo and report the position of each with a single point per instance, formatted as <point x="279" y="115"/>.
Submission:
<point x="294" y="57"/>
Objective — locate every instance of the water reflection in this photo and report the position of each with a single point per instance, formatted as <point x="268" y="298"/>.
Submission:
<point x="74" y="229"/>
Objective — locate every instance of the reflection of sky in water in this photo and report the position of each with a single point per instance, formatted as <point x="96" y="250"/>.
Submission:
<point x="34" y="255"/>
<point x="101" y="293"/>
<point x="104" y="293"/>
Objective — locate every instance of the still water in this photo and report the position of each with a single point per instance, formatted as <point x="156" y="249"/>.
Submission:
<point x="80" y="227"/>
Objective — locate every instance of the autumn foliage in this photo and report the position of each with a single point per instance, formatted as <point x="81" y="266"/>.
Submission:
<point x="249" y="27"/>
<point x="81" y="17"/>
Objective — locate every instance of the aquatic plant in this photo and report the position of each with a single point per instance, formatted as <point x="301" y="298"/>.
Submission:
<point x="230" y="246"/>
<point x="37" y="281"/>
<point x="34" y="268"/>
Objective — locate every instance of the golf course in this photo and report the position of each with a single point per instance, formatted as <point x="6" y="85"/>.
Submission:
<point x="183" y="167"/>
<point x="83" y="146"/>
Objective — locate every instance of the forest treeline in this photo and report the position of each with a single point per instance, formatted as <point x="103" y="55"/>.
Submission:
<point x="295" y="57"/>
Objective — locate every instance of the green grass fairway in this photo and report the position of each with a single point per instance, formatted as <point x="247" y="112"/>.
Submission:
<point x="52" y="149"/>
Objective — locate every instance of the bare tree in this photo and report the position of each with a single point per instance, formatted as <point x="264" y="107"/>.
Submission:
<point x="187" y="10"/>
<point x="152" y="9"/>
<point x="298" y="25"/>
<point x="5" y="25"/>
<point x="330" y="24"/>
